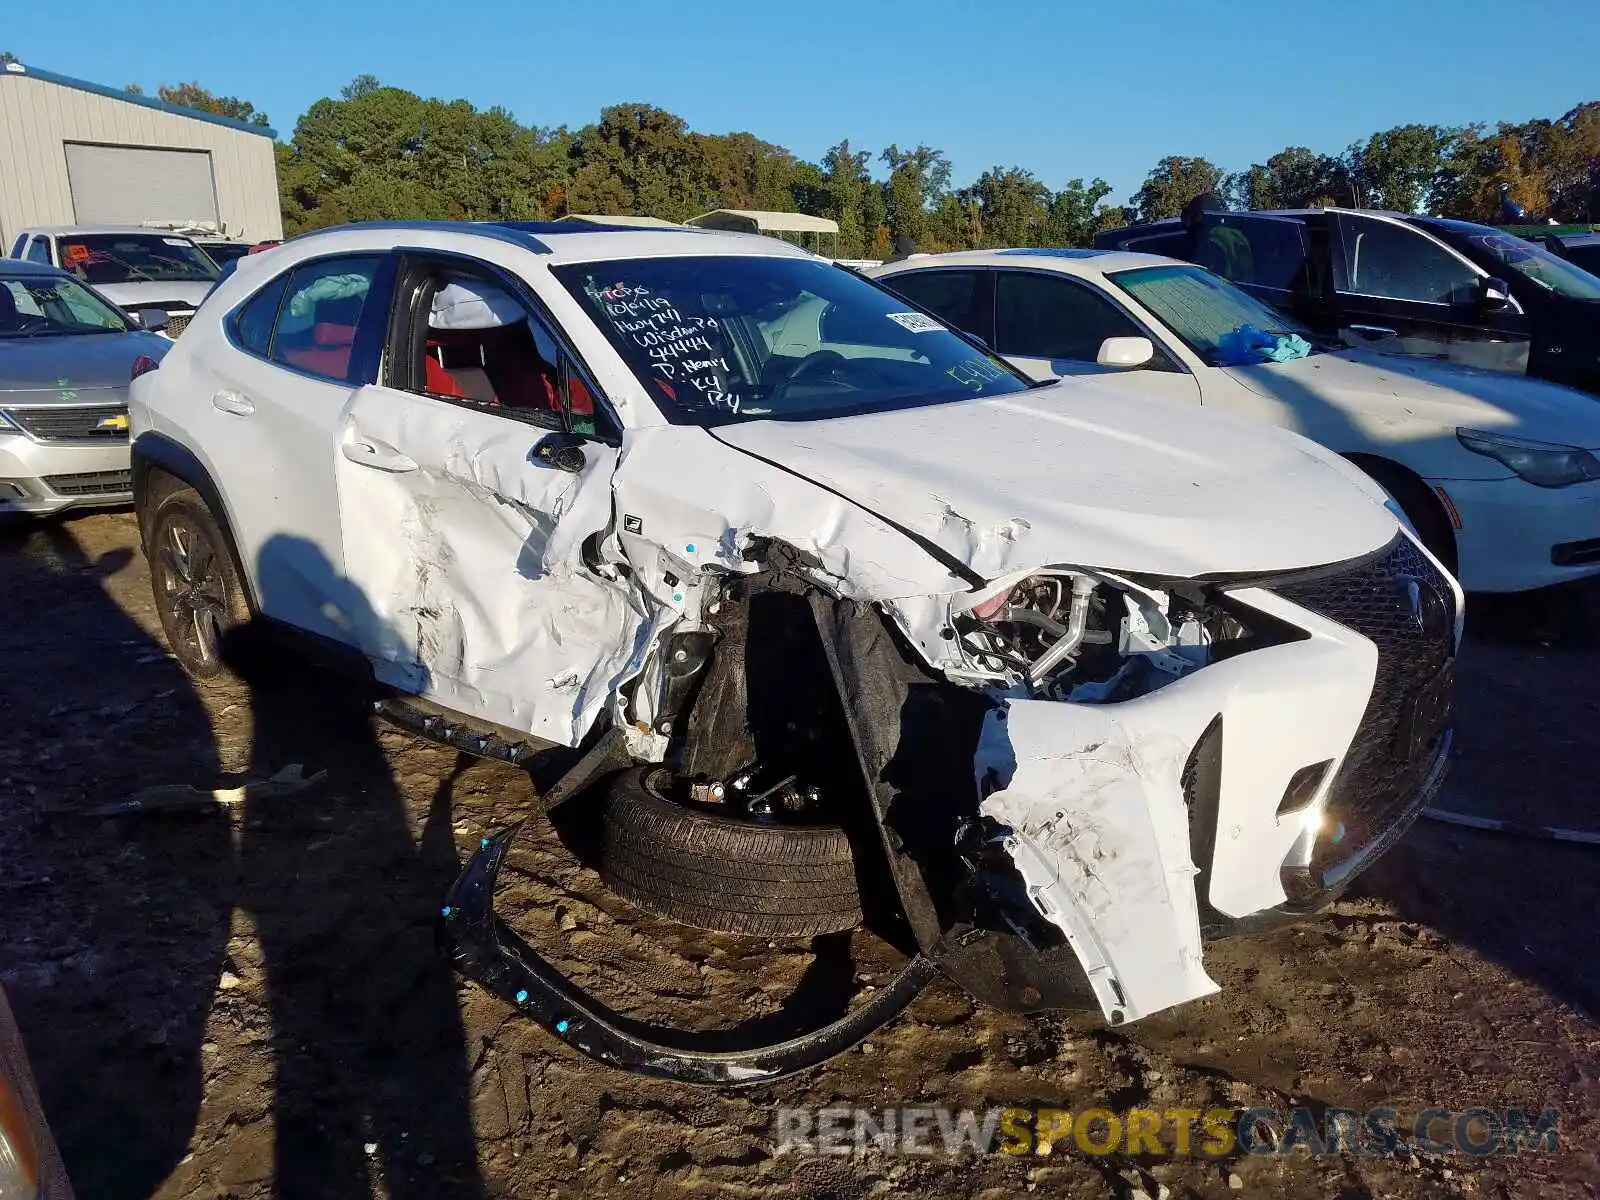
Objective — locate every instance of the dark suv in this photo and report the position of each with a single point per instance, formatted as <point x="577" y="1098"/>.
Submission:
<point x="1402" y="284"/>
<point x="1580" y="248"/>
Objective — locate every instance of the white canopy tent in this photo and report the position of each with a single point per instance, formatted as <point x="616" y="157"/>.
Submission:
<point x="638" y="222"/>
<point x="772" y="224"/>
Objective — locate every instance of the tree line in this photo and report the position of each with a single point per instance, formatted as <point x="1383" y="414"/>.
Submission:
<point x="378" y="152"/>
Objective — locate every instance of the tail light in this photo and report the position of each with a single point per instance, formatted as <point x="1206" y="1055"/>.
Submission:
<point x="143" y="365"/>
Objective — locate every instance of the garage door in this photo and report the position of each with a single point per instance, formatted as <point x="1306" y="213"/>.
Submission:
<point x="128" y="185"/>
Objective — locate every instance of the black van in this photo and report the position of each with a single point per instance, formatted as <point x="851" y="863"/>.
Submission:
<point x="1402" y="284"/>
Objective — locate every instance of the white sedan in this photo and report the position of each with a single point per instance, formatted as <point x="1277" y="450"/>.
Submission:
<point x="1498" y="474"/>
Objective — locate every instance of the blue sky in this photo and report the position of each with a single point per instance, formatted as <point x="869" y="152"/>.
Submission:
<point x="1061" y="88"/>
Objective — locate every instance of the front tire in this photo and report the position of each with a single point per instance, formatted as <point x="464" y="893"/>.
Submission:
<point x="731" y="876"/>
<point x="198" y="595"/>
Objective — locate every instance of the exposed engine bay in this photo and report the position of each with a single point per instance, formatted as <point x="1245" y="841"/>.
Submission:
<point x="1088" y="638"/>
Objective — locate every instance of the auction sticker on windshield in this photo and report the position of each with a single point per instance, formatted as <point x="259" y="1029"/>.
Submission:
<point x="916" y="322"/>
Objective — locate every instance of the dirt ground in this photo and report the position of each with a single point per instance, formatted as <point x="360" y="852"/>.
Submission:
<point x="246" y="1001"/>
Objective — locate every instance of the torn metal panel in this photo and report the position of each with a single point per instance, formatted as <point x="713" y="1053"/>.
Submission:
<point x="468" y="584"/>
<point x="1092" y="797"/>
<point x="687" y="505"/>
<point x="1096" y="824"/>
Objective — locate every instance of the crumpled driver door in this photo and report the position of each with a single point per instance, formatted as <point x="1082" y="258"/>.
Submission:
<point x="465" y="552"/>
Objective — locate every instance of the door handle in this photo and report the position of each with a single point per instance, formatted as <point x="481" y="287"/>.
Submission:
<point x="1373" y="331"/>
<point x="236" y="403"/>
<point x="374" y="454"/>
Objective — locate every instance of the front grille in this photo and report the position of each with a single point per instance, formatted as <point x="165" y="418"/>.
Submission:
<point x="98" y="423"/>
<point x="1405" y="606"/>
<point x="177" y="323"/>
<point x="92" y="483"/>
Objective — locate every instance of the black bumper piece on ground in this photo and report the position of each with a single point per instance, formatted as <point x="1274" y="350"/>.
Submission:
<point x="486" y="951"/>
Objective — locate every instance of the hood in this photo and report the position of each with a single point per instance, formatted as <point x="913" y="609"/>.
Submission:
<point x="159" y="295"/>
<point x="50" y="366"/>
<point x="1073" y="475"/>
<point x="1386" y="389"/>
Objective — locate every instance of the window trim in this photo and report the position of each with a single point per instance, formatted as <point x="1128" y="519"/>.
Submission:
<point x="362" y="354"/>
<point x="1162" y="348"/>
<point x="404" y="258"/>
<point x="1341" y="267"/>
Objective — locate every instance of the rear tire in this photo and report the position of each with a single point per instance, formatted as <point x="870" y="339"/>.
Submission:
<point x="198" y="595"/>
<point x="725" y="875"/>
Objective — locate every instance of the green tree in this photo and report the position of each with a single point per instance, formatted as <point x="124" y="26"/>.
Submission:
<point x="7" y="58"/>
<point x="1006" y="206"/>
<point x="1293" y="178"/>
<point x="841" y="187"/>
<point x="386" y="152"/>
<point x="1077" y="214"/>
<point x="192" y="95"/>
<point x="918" y="180"/>
<point x="639" y="159"/>
<point x="1173" y="182"/>
<point x="1569" y="149"/>
<point x="1399" y="168"/>
<point x="360" y="86"/>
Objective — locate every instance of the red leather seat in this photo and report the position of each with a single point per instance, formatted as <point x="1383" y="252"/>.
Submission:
<point x="439" y="381"/>
<point x="328" y="353"/>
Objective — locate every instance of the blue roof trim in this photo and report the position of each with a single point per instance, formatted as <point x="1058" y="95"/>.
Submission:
<point x="1055" y="252"/>
<point x="99" y="89"/>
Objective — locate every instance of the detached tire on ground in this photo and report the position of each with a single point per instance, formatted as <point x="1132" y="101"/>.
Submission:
<point x="721" y="874"/>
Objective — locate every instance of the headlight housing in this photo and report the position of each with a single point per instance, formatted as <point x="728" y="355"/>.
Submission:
<point x="1542" y="464"/>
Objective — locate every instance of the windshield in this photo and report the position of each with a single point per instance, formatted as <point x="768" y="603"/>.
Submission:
<point x="1538" y="265"/>
<point x="717" y="340"/>
<point x="52" y="305"/>
<point x="1204" y="310"/>
<point x="103" y="258"/>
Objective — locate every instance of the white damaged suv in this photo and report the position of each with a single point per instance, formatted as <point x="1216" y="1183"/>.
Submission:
<point x="817" y="591"/>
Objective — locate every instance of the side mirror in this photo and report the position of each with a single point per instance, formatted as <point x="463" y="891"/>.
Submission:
<point x="151" y="320"/>
<point x="1125" y="352"/>
<point x="1493" y="294"/>
<point x="563" y="451"/>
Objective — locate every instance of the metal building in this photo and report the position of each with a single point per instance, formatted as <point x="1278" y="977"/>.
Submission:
<point x="76" y="153"/>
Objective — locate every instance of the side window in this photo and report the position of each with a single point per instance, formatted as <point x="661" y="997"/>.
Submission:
<point x="953" y="295"/>
<point x="1263" y="251"/>
<point x="16" y="246"/>
<point x="253" y="322"/>
<point x="39" y="252"/>
<point x="1398" y="263"/>
<point x="320" y="313"/>
<point x="477" y="343"/>
<point x="1046" y="316"/>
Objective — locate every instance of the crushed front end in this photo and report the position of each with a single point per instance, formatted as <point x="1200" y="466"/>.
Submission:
<point x="1282" y="734"/>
